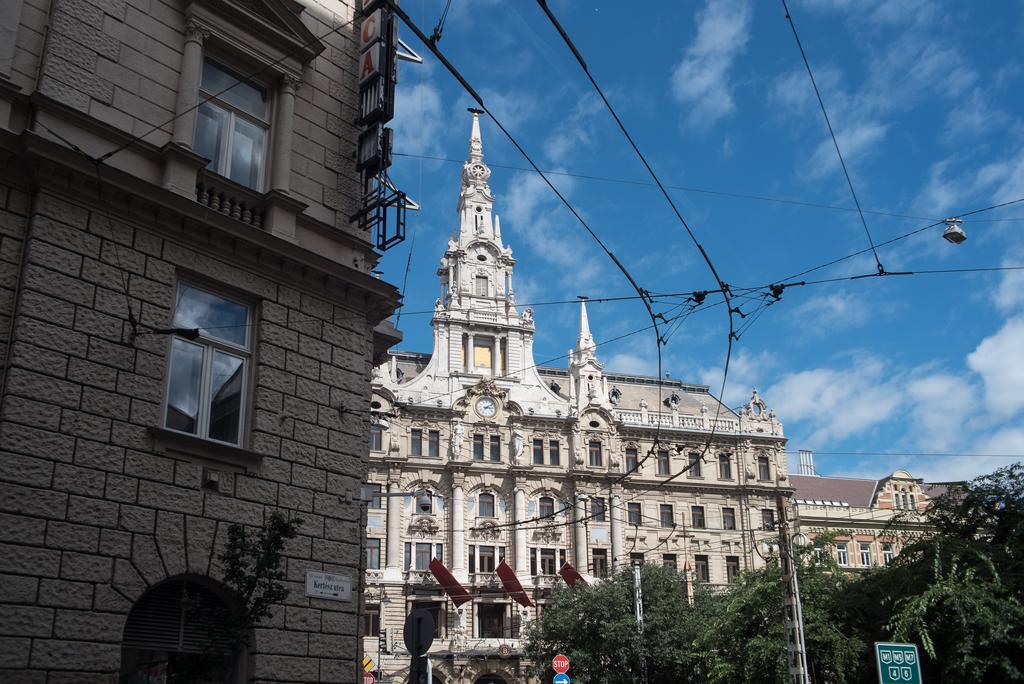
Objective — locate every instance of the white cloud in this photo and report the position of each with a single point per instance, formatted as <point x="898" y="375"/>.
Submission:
<point x="831" y="312"/>
<point x="1009" y="295"/>
<point x="837" y="403"/>
<point x="627" y="362"/>
<point x="934" y="424"/>
<point x="1000" y="363"/>
<point x="856" y="141"/>
<point x="574" y="131"/>
<point x="701" y="79"/>
<point x="746" y="371"/>
<point x="973" y="116"/>
<point x="419" y="120"/>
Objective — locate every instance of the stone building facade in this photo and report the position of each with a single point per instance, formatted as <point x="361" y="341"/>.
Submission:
<point x="489" y="457"/>
<point x="185" y="329"/>
<point x="867" y="521"/>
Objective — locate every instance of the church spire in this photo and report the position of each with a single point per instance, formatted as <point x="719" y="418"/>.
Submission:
<point x="585" y="347"/>
<point x="476" y="143"/>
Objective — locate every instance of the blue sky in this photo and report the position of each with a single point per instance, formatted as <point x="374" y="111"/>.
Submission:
<point x="926" y="100"/>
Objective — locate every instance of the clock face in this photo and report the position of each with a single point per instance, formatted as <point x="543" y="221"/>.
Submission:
<point x="477" y="170"/>
<point x="486" y="407"/>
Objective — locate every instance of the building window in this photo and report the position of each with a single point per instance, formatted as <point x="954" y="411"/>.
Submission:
<point x="767" y="519"/>
<point x="495" y="448"/>
<point x="728" y="518"/>
<point x="416" y="443"/>
<point x="596" y="459"/>
<point x="887" y="553"/>
<point x="487" y="559"/>
<point x="664" y="466"/>
<point x="434" y="444"/>
<point x="865" y="554"/>
<point x="482" y="354"/>
<point x="231" y="125"/>
<point x="764" y="471"/>
<point x="547" y="507"/>
<point x="417" y="556"/>
<point x="547" y="562"/>
<point x="376" y="438"/>
<point x="486" y="505"/>
<point x="633" y="513"/>
<point x="636" y="558"/>
<point x="370" y="624"/>
<point x="913" y="503"/>
<point x="373" y="554"/>
<point x="491" y="620"/>
<point x="724" y="467"/>
<point x="669" y="561"/>
<point x="632" y="462"/>
<point x="373" y="492"/>
<point x="480" y="286"/>
<point x="600" y="561"/>
<point x="695" y="464"/>
<point x="437" y="612"/>
<point x="732" y="568"/>
<point x="819" y="552"/>
<point x="554" y="457"/>
<point x="538" y="452"/>
<point x="478" y="447"/>
<point x="841" y="552"/>
<point x="666" y="515"/>
<point x="207" y="375"/>
<point x="697" y="516"/>
<point x="598" y="509"/>
<point x="701" y="569"/>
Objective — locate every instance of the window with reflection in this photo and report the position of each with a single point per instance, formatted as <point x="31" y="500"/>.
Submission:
<point x="231" y="125"/>
<point x="764" y="470"/>
<point x="554" y="455"/>
<point x="633" y="514"/>
<point x="664" y="467"/>
<point x="547" y="507"/>
<point x="600" y="563"/>
<point x="598" y="509"/>
<point x="632" y="460"/>
<point x="695" y="463"/>
<point x="596" y="459"/>
<point x="538" y="452"/>
<point x="487" y="505"/>
<point x="208" y="370"/>
<point x="724" y="467"/>
<point x="702" y="568"/>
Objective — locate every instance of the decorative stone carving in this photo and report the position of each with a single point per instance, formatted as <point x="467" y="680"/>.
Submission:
<point x="424" y="527"/>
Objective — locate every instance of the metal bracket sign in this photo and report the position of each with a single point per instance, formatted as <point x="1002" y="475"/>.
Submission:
<point x="328" y="586"/>
<point x="898" y="663"/>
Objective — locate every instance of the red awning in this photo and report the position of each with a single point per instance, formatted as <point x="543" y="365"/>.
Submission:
<point x="512" y="584"/>
<point x="451" y="586"/>
<point x="570" y="575"/>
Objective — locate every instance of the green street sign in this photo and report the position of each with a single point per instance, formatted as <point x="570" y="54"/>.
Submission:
<point x="898" y="663"/>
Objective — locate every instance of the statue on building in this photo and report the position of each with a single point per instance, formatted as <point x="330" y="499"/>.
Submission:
<point x="518" y="444"/>
<point x="458" y="432"/>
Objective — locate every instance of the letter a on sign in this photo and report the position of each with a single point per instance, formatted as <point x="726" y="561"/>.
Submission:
<point x="369" y="63"/>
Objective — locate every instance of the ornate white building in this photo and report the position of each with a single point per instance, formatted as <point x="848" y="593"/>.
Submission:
<point x="539" y="466"/>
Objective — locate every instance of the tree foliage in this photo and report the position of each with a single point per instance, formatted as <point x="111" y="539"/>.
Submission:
<point x="957" y="592"/>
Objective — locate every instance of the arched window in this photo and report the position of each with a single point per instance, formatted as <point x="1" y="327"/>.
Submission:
<point x="174" y="632"/>
<point x="486" y="505"/>
<point x="547" y="506"/>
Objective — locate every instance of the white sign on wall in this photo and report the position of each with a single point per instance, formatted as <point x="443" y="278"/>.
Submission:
<point x="326" y="585"/>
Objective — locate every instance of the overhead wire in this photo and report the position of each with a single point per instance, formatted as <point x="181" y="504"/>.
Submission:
<point x="679" y="216"/>
<point x="698" y="190"/>
<point x="835" y="142"/>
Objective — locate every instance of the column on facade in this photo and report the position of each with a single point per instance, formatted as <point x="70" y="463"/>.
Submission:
<point x="188" y="86"/>
<point x="471" y="353"/>
<point x="494" y="356"/>
<point x="522" y="559"/>
<point x="458" y="553"/>
<point x="281" y="167"/>
<point x="393" y="568"/>
<point x="581" y="533"/>
<point x="615" y="510"/>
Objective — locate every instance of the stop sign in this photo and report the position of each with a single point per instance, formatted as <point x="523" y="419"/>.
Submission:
<point x="560" y="663"/>
<point x="368" y="678"/>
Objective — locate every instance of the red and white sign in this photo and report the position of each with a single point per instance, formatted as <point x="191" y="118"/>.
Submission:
<point x="368" y="678"/>
<point x="371" y="29"/>
<point x="371" y="62"/>
<point x="560" y="663"/>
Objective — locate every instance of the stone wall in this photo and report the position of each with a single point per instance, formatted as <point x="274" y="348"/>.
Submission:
<point x="95" y="507"/>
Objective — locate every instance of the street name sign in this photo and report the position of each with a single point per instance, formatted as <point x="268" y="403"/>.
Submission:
<point x="328" y="586"/>
<point x="898" y="663"/>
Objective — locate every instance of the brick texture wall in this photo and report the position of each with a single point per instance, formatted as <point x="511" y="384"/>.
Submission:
<point x="92" y="511"/>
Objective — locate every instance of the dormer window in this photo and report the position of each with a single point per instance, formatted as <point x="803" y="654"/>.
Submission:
<point x="231" y="128"/>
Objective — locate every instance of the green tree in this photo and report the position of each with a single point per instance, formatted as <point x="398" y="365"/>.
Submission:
<point x="595" y="627"/>
<point x="746" y="642"/>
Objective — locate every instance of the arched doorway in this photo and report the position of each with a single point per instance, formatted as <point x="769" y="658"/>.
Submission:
<point x="490" y="679"/>
<point x="175" y="634"/>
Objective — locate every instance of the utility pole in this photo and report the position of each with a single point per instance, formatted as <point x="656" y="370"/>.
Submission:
<point x="795" y="645"/>
<point x="638" y="605"/>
